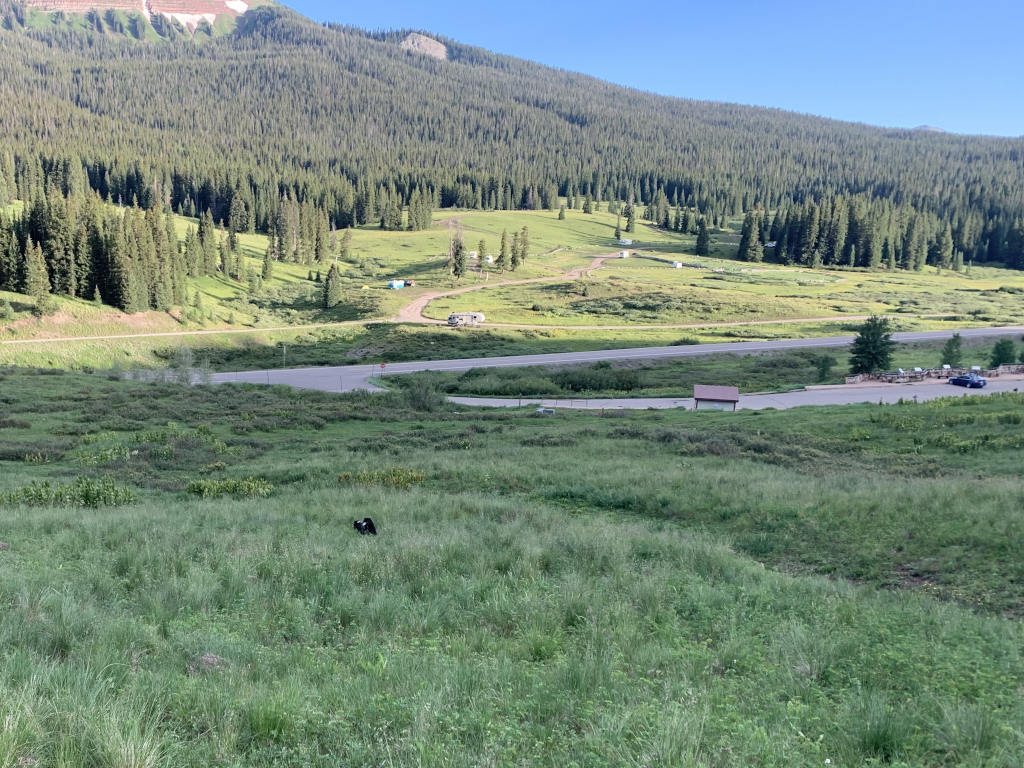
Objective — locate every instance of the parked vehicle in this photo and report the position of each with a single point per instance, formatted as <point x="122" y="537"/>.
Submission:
<point x="465" y="318"/>
<point x="970" y="380"/>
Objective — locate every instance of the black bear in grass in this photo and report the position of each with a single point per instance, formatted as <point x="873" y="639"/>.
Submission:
<point x="365" y="526"/>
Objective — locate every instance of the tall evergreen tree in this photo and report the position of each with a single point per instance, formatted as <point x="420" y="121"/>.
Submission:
<point x="346" y="245"/>
<point x="703" y="238"/>
<point x="944" y="250"/>
<point x="37" y="279"/>
<point x="513" y="263"/>
<point x="503" y="254"/>
<point x="953" y="351"/>
<point x="332" y="290"/>
<point x="750" y="245"/>
<point x="873" y="347"/>
<point x="458" y="257"/>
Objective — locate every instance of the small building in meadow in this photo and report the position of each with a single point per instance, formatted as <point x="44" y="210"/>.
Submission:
<point x="396" y="285"/>
<point x="625" y="241"/>
<point x="708" y="398"/>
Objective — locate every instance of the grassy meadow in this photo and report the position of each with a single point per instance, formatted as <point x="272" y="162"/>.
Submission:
<point x="569" y="314"/>
<point x="182" y="585"/>
<point x="641" y="290"/>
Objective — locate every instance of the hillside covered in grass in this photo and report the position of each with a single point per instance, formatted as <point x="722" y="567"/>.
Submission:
<point x="570" y="305"/>
<point x="183" y="585"/>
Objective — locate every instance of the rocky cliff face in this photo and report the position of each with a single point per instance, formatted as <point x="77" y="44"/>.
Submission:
<point x="190" y="13"/>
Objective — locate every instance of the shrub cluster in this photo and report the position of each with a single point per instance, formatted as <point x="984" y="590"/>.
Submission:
<point x="249" y="488"/>
<point x="396" y="477"/>
<point x="84" y="492"/>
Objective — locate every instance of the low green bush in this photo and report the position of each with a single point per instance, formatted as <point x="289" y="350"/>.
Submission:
<point x="395" y="477"/>
<point x="249" y="488"/>
<point x="84" y="492"/>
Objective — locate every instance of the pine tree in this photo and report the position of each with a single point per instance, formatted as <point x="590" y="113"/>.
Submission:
<point x="481" y="253"/>
<point x="458" y="257"/>
<point x="1003" y="353"/>
<point x="332" y="292"/>
<point x="193" y="254"/>
<point x="561" y="213"/>
<point x="952" y="352"/>
<point x="503" y="255"/>
<point x="944" y="255"/>
<point x="703" y="238"/>
<point x="346" y="244"/>
<point x="207" y="235"/>
<point x="808" y="233"/>
<point x="630" y="218"/>
<point x="873" y="347"/>
<point x="238" y="220"/>
<point x="37" y="280"/>
<point x="750" y="246"/>
<point x="513" y="263"/>
<point x="10" y="257"/>
<point x="618" y="227"/>
<point x="524" y="244"/>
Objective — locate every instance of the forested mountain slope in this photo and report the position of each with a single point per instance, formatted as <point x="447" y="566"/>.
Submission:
<point x="285" y="99"/>
<point x="358" y="127"/>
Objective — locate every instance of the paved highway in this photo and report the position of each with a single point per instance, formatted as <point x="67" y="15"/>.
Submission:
<point x="346" y="378"/>
<point x="840" y="395"/>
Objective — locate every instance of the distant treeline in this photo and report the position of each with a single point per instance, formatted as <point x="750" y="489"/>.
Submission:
<point x="348" y="123"/>
<point x="855" y="232"/>
<point x="131" y="258"/>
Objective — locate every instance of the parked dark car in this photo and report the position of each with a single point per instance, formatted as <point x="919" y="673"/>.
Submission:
<point x="971" y="381"/>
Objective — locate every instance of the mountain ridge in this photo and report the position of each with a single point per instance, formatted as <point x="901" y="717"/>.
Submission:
<point x="188" y="15"/>
<point x="347" y="118"/>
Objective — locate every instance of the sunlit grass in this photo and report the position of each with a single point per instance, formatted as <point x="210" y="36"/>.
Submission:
<point x="582" y="590"/>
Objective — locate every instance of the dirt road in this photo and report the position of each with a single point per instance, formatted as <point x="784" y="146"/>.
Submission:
<point x="413" y="312"/>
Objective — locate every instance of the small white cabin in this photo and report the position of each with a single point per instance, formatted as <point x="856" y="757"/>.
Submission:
<point x="623" y="254"/>
<point x="677" y="265"/>
<point x="489" y="259"/>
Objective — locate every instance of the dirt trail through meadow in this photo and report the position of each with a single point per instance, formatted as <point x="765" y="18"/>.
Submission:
<point x="413" y="312"/>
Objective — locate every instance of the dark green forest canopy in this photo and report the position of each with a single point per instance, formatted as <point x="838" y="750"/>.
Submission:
<point x="352" y="122"/>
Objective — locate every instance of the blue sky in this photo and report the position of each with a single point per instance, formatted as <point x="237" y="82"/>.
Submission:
<point x="954" y="65"/>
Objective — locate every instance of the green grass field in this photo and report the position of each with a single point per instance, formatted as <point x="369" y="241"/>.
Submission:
<point x="385" y="342"/>
<point x="765" y="588"/>
<point x="644" y="291"/>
